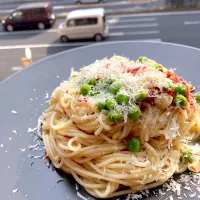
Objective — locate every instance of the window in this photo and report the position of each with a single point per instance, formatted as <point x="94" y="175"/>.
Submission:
<point x="86" y="21"/>
<point x="71" y="22"/>
<point x="82" y="22"/>
<point x="38" y="11"/>
<point x="27" y="14"/>
<point x="92" y="21"/>
<point x="17" y="15"/>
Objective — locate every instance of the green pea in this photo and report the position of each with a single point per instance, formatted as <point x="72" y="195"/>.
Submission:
<point x="114" y="116"/>
<point x="158" y="66"/>
<point x="142" y="94"/>
<point x="197" y="97"/>
<point x="180" y="100"/>
<point x="135" y="113"/>
<point x="142" y="59"/>
<point x="180" y="89"/>
<point x="74" y="75"/>
<point x="170" y="85"/>
<point x="85" y="88"/>
<point x="115" y="87"/>
<point x="122" y="99"/>
<point x="92" y="81"/>
<point x="134" y="144"/>
<point x="187" y="155"/>
<point x="110" y="103"/>
<point x="101" y="105"/>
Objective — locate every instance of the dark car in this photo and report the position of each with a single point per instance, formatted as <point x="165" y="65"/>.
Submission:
<point x="32" y="15"/>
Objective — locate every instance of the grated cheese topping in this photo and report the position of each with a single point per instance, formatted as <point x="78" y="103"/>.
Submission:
<point x="15" y="190"/>
<point x="133" y="76"/>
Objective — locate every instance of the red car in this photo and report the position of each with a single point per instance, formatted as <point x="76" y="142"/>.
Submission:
<point x="32" y="15"/>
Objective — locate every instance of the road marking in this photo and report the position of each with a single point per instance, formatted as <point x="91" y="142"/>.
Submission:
<point x="191" y="22"/>
<point x="6" y="11"/>
<point x="59" y="45"/>
<point x="46" y="45"/>
<point x="56" y="29"/>
<point x="116" y="34"/>
<point x="134" y="26"/>
<point x="153" y="40"/>
<point x="109" y="34"/>
<point x="17" y="68"/>
<point x="142" y="32"/>
<point x="155" y="14"/>
<point x="28" y="32"/>
<point x="118" y="20"/>
<point x="134" y="33"/>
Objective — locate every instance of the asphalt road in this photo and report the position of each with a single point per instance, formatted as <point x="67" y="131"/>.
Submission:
<point x="179" y="27"/>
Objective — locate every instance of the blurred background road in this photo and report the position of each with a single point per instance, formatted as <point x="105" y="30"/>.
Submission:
<point x="182" y="27"/>
<point x="62" y="6"/>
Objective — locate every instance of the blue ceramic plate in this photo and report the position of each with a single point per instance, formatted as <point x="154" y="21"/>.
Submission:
<point x="23" y="174"/>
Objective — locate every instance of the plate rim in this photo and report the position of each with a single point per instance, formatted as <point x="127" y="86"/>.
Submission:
<point x="89" y="46"/>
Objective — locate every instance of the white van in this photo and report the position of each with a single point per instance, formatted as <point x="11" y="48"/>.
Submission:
<point x="83" y="24"/>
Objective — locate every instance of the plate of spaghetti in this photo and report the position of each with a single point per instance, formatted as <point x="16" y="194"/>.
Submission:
<point x="116" y="120"/>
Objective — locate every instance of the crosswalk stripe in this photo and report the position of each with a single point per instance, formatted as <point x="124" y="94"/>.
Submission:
<point x="60" y="44"/>
<point x="134" y="26"/>
<point x="119" y="20"/>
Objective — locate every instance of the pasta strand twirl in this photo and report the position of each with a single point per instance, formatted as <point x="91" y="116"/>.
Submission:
<point x="121" y="126"/>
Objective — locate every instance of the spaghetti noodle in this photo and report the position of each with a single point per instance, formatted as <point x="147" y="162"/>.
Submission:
<point x="121" y="126"/>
